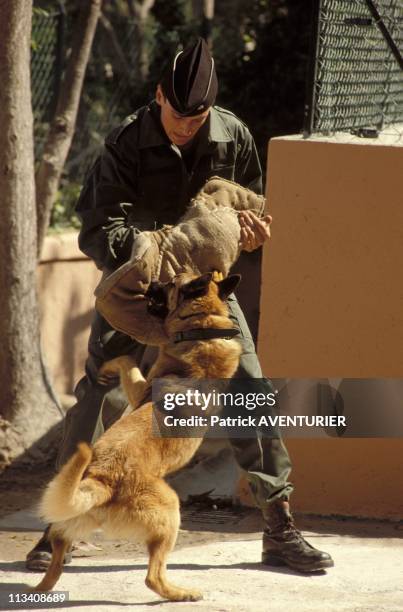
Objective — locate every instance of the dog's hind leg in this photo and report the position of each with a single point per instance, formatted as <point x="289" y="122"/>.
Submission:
<point x="162" y="524"/>
<point x="59" y="548"/>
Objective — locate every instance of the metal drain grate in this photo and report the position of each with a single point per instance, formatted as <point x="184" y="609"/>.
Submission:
<point x="211" y="516"/>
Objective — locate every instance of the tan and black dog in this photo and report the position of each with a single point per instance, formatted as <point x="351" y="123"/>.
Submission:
<point x="118" y="485"/>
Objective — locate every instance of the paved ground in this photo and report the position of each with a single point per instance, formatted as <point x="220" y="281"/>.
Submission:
<point x="218" y="552"/>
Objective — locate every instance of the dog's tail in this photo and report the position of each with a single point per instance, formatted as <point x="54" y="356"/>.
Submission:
<point x="69" y="495"/>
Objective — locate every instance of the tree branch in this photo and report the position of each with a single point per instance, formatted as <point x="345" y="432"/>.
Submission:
<point x="62" y="127"/>
<point x="117" y="49"/>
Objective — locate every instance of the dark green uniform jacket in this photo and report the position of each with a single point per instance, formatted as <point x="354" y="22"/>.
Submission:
<point x="142" y="181"/>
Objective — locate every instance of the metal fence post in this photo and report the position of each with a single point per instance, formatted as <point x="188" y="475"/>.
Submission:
<point x="310" y="91"/>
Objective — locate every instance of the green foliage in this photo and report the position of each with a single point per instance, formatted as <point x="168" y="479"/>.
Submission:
<point x="39" y="11"/>
<point x="262" y="65"/>
<point x="172" y="26"/>
<point x="261" y="51"/>
<point x="63" y="214"/>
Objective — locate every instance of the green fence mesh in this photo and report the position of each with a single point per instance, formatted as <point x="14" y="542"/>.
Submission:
<point x="357" y="81"/>
<point x="45" y="70"/>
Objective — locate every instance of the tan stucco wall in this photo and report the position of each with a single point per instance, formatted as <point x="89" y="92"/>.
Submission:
<point x="66" y="282"/>
<point x="332" y="304"/>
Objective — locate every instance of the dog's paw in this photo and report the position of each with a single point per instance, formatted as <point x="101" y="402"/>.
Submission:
<point x="109" y="372"/>
<point x="187" y="595"/>
<point x="193" y="595"/>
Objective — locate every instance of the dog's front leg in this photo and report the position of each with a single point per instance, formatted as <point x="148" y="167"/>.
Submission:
<point x="132" y="380"/>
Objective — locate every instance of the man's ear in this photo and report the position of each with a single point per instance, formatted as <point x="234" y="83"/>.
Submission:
<point x="159" y="95"/>
<point x="197" y="287"/>
<point x="228" y="285"/>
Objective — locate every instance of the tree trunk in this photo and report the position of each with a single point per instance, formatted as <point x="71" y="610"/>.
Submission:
<point x="207" y="26"/>
<point x="62" y="127"/>
<point x="198" y="9"/>
<point x="203" y="11"/>
<point x="140" y="11"/>
<point x="26" y="409"/>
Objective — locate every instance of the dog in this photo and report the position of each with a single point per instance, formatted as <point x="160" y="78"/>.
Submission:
<point x="118" y="484"/>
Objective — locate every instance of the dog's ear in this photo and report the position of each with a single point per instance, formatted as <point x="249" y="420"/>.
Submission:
<point x="228" y="285"/>
<point x="157" y="299"/>
<point x="197" y="287"/>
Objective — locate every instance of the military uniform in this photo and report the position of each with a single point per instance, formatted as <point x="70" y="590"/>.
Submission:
<point x="140" y="182"/>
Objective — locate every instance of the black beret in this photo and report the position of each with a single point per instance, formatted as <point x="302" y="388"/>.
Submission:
<point x="190" y="83"/>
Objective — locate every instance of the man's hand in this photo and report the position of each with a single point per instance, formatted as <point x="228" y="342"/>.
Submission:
<point x="254" y="230"/>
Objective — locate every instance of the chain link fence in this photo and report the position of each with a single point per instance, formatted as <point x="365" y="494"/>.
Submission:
<point x="46" y="69"/>
<point x="106" y="96"/>
<point x="356" y="76"/>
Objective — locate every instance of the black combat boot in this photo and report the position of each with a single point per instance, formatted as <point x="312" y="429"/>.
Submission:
<point x="38" y="559"/>
<point x="283" y="544"/>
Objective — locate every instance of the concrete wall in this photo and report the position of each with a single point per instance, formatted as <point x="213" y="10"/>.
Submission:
<point x="66" y="282"/>
<point x="332" y="304"/>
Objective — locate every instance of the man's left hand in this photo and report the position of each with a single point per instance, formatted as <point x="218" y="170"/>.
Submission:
<point x="254" y="230"/>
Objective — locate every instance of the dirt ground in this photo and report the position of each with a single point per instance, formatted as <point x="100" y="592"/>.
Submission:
<point x="218" y="549"/>
<point x="203" y="521"/>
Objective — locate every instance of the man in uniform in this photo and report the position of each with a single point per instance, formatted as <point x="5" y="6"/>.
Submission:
<point x="150" y="168"/>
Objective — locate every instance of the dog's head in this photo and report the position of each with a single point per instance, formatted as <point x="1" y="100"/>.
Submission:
<point x="187" y="296"/>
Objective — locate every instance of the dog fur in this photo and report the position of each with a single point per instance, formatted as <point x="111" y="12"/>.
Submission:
<point x="119" y="483"/>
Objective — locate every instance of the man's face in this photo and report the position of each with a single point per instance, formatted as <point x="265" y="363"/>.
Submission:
<point x="180" y="130"/>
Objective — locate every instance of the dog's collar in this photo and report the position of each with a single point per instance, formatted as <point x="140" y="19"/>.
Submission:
<point x="204" y="333"/>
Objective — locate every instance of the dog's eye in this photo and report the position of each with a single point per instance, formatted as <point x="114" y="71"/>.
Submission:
<point x="157" y="309"/>
<point x="156" y="292"/>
